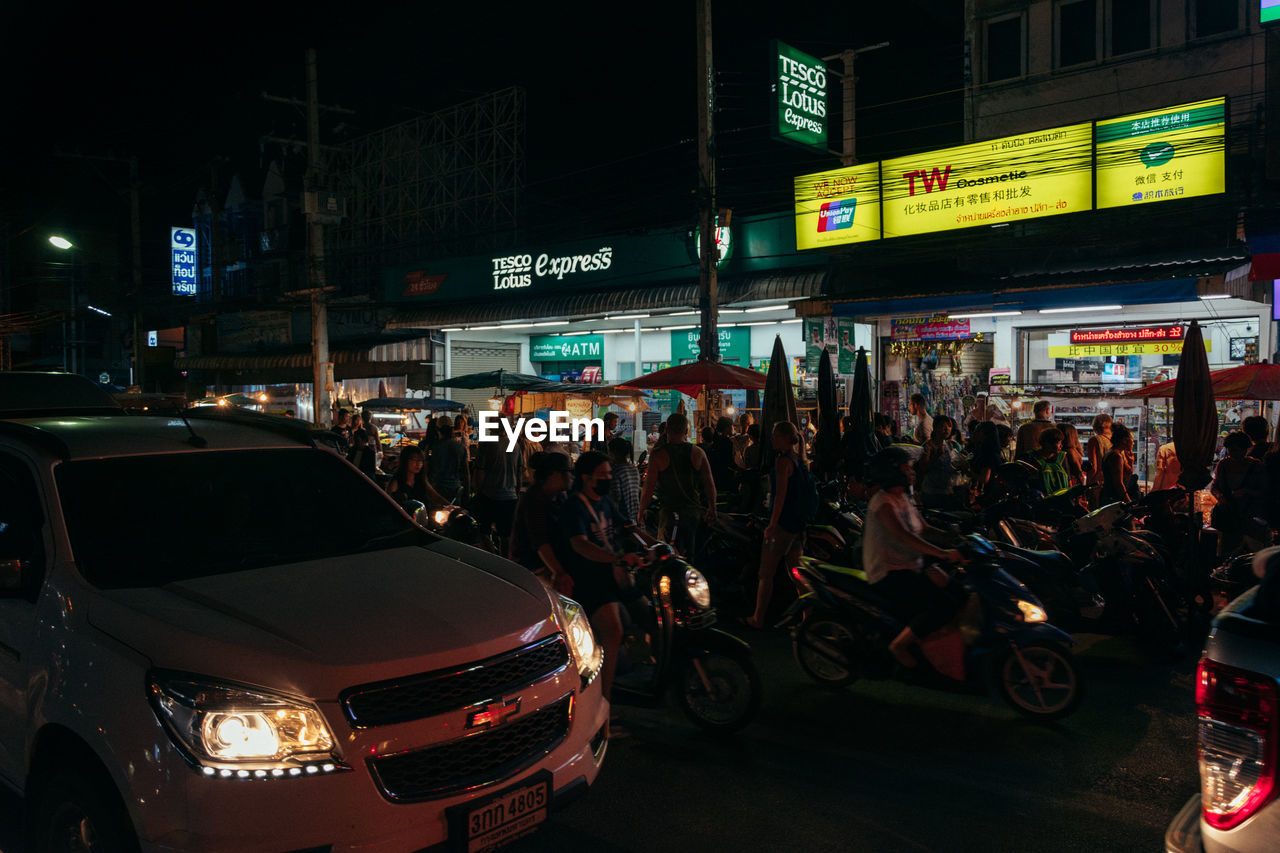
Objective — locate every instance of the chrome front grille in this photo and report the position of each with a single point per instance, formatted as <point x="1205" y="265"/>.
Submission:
<point x="412" y="698"/>
<point x="472" y="761"/>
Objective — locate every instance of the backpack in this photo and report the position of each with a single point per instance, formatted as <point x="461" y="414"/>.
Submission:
<point x="807" y="489"/>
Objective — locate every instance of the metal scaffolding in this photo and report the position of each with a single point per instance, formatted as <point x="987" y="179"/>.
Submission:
<point x="440" y="185"/>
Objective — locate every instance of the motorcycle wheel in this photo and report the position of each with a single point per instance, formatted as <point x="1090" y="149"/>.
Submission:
<point x="823" y="647"/>
<point x="734" y="695"/>
<point x="1047" y="687"/>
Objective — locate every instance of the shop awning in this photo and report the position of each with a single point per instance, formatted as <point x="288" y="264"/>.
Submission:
<point x="296" y="367"/>
<point x="573" y="305"/>
<point x="1140" y="293"/>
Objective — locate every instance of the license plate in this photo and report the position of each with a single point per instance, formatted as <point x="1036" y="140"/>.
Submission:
<point x="500" y="819"/>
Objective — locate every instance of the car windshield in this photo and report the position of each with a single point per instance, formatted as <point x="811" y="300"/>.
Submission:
<point x="142" y="521"/>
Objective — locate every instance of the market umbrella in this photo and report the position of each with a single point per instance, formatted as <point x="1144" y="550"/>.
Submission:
<point x="1245" y="382"/>
<point x="1195" y="417"/>
<point x="699" y="375"/>
<point x="778" y="404"/>
<point x="861" y="445"/>
<point x="826" y="444"/>
<point x="503" y="380"/>
<point x="411" y="404"/>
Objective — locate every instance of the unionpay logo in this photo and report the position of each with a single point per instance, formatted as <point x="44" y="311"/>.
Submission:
<point x="835" y="215"/>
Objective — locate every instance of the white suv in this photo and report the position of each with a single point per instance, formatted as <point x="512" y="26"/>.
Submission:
<point x="215" y="634"/>
<point x="1238" y="707"/>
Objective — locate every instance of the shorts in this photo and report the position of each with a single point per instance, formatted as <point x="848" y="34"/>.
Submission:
<point x="919" y="602"/>
<point x="785" y="545"/>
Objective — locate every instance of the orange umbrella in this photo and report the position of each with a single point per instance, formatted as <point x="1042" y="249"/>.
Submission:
<point x="1246" y="382"/>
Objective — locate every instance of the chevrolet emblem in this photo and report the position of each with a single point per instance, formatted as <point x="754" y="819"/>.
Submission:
<point x="493" y="713"/>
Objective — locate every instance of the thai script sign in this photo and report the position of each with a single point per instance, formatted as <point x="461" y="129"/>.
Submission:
<point x="1114" y="336"/>
<point x="938" y="327"/>
<point x="566" y="347"/>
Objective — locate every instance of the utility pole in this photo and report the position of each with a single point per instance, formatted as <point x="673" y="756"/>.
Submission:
<point x="135" y="228"/>
<point x="321" y="367"/>
<point x="317" y="287"/>
<point x="848" y="152"/>
<point x="708" y="253"/>
<point x="135" y="233"/>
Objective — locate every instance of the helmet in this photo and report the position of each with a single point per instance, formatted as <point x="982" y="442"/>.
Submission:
<point x="883" y="468"/>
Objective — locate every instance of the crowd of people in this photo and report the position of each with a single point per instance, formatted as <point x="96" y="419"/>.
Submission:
<point x="565" y="512"/>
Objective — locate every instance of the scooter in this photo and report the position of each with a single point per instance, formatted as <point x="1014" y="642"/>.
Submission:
<point x="673" y="647"/>
<point x="841" y="629"/>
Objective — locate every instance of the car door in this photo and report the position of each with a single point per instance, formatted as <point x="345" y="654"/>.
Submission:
<point x="25" y="537"/>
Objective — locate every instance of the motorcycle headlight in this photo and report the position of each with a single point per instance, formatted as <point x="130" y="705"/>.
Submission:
<point x="697" y="587"/>
<point x="582" y="641"/>
<point x="440" y="516"/>
<point x="231" y="730"/>
<point x="1031" y="613"/>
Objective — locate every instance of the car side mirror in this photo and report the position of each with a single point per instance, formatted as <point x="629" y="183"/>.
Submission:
<point x="12" y="578"/>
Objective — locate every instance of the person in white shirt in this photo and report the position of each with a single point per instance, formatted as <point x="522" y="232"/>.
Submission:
<point x="924" y="421"/>
<point x="893" y="551"/>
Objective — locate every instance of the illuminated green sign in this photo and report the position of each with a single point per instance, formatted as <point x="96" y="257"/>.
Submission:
<point x="735" y="345"/>
<point x="566" y="347"/>
<point x="800" y="87"/>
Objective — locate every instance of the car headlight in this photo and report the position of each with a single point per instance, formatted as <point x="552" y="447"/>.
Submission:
<point x="697" y="587"/>
<point x="231" y="730"/>
<point x="1032" y="613"/>
<point x="582" y="641"/>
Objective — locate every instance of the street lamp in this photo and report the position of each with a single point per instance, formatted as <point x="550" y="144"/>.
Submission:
<point x="68" y="321"/>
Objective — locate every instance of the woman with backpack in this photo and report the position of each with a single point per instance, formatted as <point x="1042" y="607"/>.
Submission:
<point x="792" y="504"/>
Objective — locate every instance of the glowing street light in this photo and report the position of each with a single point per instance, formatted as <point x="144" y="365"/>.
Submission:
<point x="61" y="242"/>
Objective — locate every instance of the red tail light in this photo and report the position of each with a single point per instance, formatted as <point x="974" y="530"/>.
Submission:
<point x="1237" y="742"/>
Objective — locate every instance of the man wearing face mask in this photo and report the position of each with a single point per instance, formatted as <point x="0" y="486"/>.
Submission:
<point x="592" y="524"/>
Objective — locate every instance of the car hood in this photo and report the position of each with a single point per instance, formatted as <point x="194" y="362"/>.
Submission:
<point x="317" y="627"/>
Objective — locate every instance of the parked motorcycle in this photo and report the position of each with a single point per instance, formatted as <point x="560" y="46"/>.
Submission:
<point x="674" y="649"/>
<point x="1126" y="567"/>
<point x="841" y="629"/>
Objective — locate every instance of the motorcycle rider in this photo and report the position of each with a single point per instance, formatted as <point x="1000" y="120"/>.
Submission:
<point x="893" y="550"/>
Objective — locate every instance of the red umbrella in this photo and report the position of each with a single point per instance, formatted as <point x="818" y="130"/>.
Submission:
<point x="1246" y="382"/>
<point x="692" y="378"/>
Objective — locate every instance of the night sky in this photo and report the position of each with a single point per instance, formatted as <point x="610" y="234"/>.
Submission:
<point x="610" y="95"/>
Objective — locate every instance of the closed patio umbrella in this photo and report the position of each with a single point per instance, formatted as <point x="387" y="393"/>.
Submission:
<point x="861" y="445"/>
<point x="826" y="444"/>
<point x="1195" y="417"/>
<point x="778" y="404"/>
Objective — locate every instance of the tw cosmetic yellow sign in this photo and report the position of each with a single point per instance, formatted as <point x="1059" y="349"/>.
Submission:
<point x="1162" y="155"/>
<point x="1044" y="173"/>
<point x="836" y="207"/>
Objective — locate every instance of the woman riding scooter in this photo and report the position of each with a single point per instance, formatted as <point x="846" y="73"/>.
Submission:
<point x="893" y="554"/>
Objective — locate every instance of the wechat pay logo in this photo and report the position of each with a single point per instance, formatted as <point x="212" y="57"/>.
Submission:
<point x="1156" y="154"/>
